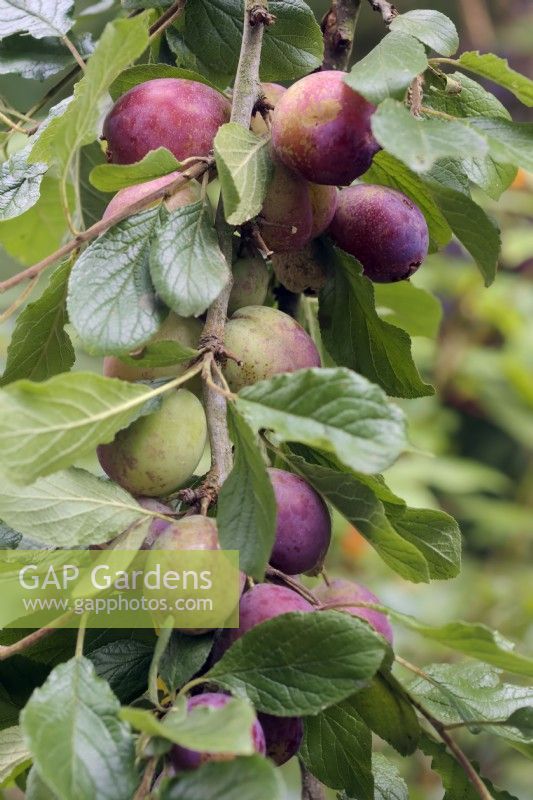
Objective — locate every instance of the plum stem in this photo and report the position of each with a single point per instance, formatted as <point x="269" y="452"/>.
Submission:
<point x="338" y="28"/>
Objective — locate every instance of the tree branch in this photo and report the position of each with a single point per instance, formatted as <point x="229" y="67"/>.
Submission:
<point x="311" y="788"/>
<point x="163" y="193"/>
<point x="387" y="10"/>
<point x="338" y="27"/>
<point x="245" y="93"/>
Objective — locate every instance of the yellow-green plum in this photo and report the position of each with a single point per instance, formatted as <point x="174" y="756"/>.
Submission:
<point x="301" y="269"/>
<point x="250" y="283"/>
<point x="159" y="452"/>
<point x="323" y="206"/>
<point x="321" y="129"/>
<point x="267" y="342"/>
<point x="383" y="229"/>
<point x="194" y="532"/>
<point x="184" y="330"/>
<point x="271" y="93"/>
<point x="181" y="115"/>
<point x="286" y="219"/>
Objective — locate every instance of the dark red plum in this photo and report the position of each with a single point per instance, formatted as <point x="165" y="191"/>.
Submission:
<point x="184" y="759"/>
<point x="303" y="530"/>
<point x="321" y="129"/>
<point x="383" y="229"/>
<point x="283" y="736"/>
<point x="340" y="591"/>
<point x="181" y="115"/>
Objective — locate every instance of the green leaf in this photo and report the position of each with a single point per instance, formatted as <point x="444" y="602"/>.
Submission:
<point x="474" y="693"/>
<point x="522" y="720"/>
<point x="253" y="778"/>
<point x="475" y="230"/>
<point x="299" y="664"/>
<point x="415" y="550"/>
<point x="388" y="783"/>
<point x="246" y="502"/>
<point x="111" y="301"/>
<point x="214" y="730"/>
<point x="292" y="47"/>
<point x="122" y="42"/>
<point x="388" y="171"/>
<point x="69" y="509"/>
<point x="30" y="16"/>
<point x="244" y="169"/>
<point x="187" y="60"/>
<point x="112" y="177"/>
<point x="388" y="70"/>
<point x="14" y="754"/>
<point x="454" y="778"/>
<point x="498" y="70"/>
<point x="334" y="410"/>
<point x="388" y="713"/>
<point x="186" y="263"/>
<point x="36" y="788"/>
<point x="509" y="142"/>
<point x="37" y="59"/>
<point x="472" y="639"/>
<point x="93" y="752"/>
<point x="39" y="346"/>
<point x="434" y="29"/>
<point x="337" y="749"/>
<point x="148" y="72"/>
<point x="407" y="306"/>
<point x="47" y="426"/>
<point x="9" y="539"/>
<point x="419" y="143"/>
<point x="20" y="185"/>
<point x="183" y="658"/>
<point x="161" y="354"/>
<point x="92" y="202"/>
<point x="124" y="664"/>
<point x="356" y="337"/>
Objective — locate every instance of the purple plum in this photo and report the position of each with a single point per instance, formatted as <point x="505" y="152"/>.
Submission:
<point x="283" y="736"/>
<point x="340" y="591"/>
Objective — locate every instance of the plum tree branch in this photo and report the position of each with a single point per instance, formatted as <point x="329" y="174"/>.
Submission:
<point x="311" y="788"/>
<point x="386" y="9"/>
<point x="162" y="193"/>
<point x="245" y="92"/>
<point x="338" y="27"/>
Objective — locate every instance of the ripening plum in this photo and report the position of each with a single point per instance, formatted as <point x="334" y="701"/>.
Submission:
<point x="383" y="229"/>
<point x="264" y="601"/>
<point x="303" y="525"/>
<point x="323" y="206"/>
<point x="157" y="525"/>
<point x="283" y="736"/>
<point x="190" y="193"/>
<point x="250" y="283"/>
<point x="175" y="113"/>
<point x="286" y="219"/>
<point x="301" y="270"/>
<point x="267" y="342"/>
<point x="183" y="758"/>
<point x="194" y="532"/>
<point x="159" y="452"/>
<point x="321" y="129"/>
<point x="272" y="92"/>
<point x="343" y="591"/>
<point x="184" y="330"/>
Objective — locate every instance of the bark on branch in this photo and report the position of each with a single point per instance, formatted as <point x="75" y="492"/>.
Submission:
<point x="387" y="10"/>
<point x="338" y="28"/>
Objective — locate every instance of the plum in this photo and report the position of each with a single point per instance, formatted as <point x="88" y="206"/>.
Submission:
<point x="182" y="758"/>
<point x="250" y="283"/>
<point x="283" y="736"/>
<point x="267" y="342"/>
<point x="184" y="330"/>
<point x="194" y="532"/>
<point x="383" y="229"/>
<point x="190" y="193"/>
<point x="343" y="591"/>
<point x="323" y="206"/>
<point x="303" y="525"/>
<point x="264" y="601"/>
<point x="321" y="129"/>
<point x="271" y="93"/>
<point x="301" y="270"/>
<point x="286" y="219"/>
<point x="157" y="526"/>
<point x="175" y="113"/>
<point x="159" y="452"/>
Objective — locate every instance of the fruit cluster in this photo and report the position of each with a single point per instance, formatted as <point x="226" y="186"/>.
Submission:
<point x="321" y="140"/>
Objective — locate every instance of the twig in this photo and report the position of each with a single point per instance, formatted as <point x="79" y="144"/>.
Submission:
<point x="387" y="10"/>
<point x="80" y="638"/>
<point x="11" y="125"/>
<point x="19" y="300"/>
<point x="299" y="588"/>
<point x="311" y="788"/>
<point x="163" y="193"/>
<point x="147" y="780"/>
<point x="245" y="92"/>
<point x="166" y="19"/>
<point x="338" y="28"/>
<point x="7" y="651"/>
<point x="74" y="51"/>
<point x="416" y="96"/>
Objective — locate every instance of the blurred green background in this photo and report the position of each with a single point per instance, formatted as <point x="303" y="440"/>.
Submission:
<point x="472" y="444"/>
